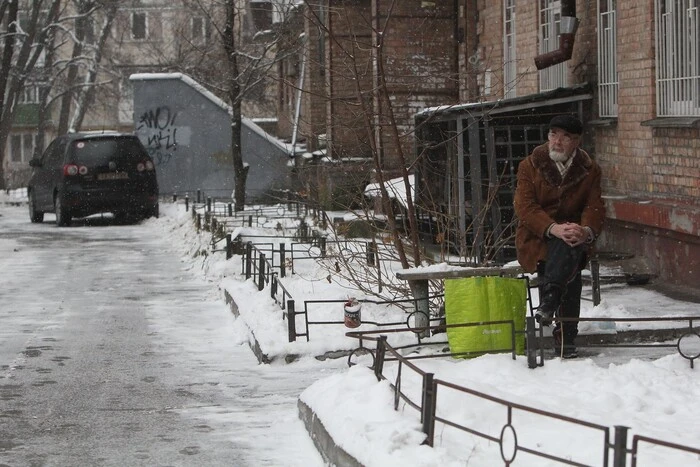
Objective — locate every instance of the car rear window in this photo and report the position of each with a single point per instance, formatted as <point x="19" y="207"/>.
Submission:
<point x="101" y="151"/>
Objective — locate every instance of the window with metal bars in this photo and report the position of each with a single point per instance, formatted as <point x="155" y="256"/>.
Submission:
<point x="677" y="58"/>
<point x="509" y="49"/>
<point x="607" y="58"/>
<point x="550" y="15"/>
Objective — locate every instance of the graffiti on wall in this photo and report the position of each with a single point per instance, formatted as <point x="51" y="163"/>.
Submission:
<point x="158" y="131"/>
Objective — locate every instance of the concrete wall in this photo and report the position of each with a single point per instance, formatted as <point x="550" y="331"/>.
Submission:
<point x="187" y="131"/>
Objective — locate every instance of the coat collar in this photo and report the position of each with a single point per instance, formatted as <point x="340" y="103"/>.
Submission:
<point x="580" y="167"/>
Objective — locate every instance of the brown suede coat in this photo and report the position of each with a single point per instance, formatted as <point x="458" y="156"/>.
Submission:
<point x="542" y="197"/>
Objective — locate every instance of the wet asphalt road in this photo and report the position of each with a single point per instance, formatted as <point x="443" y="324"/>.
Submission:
<point x="105" y="358"/>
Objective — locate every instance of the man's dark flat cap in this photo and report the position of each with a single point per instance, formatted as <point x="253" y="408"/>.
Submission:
<point x="567" y="123"/>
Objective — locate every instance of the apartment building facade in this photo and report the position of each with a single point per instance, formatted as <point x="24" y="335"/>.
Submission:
<point x="141" y="36"/>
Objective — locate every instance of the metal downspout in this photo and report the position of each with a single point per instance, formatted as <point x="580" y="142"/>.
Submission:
<point x="568" y="25"/>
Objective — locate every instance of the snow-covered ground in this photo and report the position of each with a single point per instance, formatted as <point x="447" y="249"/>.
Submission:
<point x="654" y="393"/>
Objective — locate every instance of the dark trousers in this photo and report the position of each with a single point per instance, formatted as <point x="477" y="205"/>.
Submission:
<point x="563" y="270"/>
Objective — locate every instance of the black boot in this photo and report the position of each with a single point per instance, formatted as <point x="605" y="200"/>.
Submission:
<point x="549" y="303"/>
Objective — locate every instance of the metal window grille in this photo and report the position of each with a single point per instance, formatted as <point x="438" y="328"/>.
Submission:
<point x="678" y="58"/>
<point x="550" y="15"/>
<point x="509" y="64"/>
<point x="607" y="58"/>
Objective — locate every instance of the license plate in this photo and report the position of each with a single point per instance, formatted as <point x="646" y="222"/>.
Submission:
<point x="113" y="176"/>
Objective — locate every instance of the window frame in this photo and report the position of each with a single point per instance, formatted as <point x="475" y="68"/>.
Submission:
<point x="608" y="82"/>
<point x="510" y="70"/>
<point x="133" y="25"/>
<point x="677" y="58"/>
<point x="25" y="153"/>
<point x="549" y="19"/>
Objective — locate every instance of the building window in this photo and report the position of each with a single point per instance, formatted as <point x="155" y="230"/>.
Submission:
<point x="607" y="58"/>
<point x="677" y="58"/>
<point x="139" y="26"/>
<point x="29" y="94"/>
<point x="509" y="65"/>
<point x="550" y="15"/>
<point x="22" y="146"/>
<point x="200" y="29"/>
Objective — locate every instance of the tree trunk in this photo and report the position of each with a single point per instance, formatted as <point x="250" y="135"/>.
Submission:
<point x="71" y="78"/>
<point x="87" y="97"/>
<point x="240" y="169"/>
<point x="5" y="65"/>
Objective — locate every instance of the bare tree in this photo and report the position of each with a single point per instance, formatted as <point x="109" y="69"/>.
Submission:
<point x="23" y="45"/>
<point x="249" y="65"/>
<point x="88" y="89"/>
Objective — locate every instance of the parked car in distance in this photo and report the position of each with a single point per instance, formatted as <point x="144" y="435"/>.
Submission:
<point x="81" y="174"/>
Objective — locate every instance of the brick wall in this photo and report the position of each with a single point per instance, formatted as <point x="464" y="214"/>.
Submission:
<point x="349" y="67"/>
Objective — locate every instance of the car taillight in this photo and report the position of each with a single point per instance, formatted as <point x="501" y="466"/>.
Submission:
<point x="141" y="166"/>
<point x="74" y="169"/>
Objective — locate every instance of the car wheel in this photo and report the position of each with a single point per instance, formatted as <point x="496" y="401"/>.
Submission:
<point x="123" y="218"/>
<point x="63" y="216"/>
<point x="34" y="215"/>
<point x="155" y="212"/>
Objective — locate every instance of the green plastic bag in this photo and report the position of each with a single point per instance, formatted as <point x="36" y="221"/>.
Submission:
<point x="479" y="299"/>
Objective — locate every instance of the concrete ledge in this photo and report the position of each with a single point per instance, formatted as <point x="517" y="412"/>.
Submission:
<point x="332" y="454"/>
<point x="252" y="342"/>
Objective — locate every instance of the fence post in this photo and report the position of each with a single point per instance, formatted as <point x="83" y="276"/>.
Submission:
<point x="230" y="209"/>
<point x="273" y="285"/>
<point x="283" y="265"/>
<point x="208" y="203"/>
<point x="199" y="222"/>
<point x="261" y="271"/>
<point x="370" y="248"/>
<point x="379" y="358"/>
<point x="229" y="246"/>
<point x="248" y="258"/>
<point x="187" y="202"/>
<point x="291" y="321"/>
<point x="199" y="196"/>
<point x="620" y="446"/>
<point x="174" y="197"/>
<point x="250" y="221"/>
<point x="426" y="414"/>
<point x="531" y="349"/>
<point x="595" y="281"/>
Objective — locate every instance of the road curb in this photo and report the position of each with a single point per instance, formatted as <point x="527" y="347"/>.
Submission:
<point x="325" y="444"/>
<point x="252" y="341"/>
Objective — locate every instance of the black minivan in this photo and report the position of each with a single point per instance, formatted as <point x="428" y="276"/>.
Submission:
<point x="81" y="174"/>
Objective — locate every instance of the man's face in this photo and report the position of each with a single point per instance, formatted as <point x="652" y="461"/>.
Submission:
<point x="562" y="144"/>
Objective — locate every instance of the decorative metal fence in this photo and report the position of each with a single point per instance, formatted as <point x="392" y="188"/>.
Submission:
<point x="612" y="444"/>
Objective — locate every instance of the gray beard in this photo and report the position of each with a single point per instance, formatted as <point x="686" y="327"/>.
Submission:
<point x="557" y="156"/>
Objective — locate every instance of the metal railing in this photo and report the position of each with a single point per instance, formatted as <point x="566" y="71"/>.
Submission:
<point x="611" y="448"/>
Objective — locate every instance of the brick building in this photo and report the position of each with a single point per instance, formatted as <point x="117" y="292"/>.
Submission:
<point x="462" y="76"/>
<point x="346" y="106"/>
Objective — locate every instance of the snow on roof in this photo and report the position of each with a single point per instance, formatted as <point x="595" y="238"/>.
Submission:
<point x="395" y="187"/>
